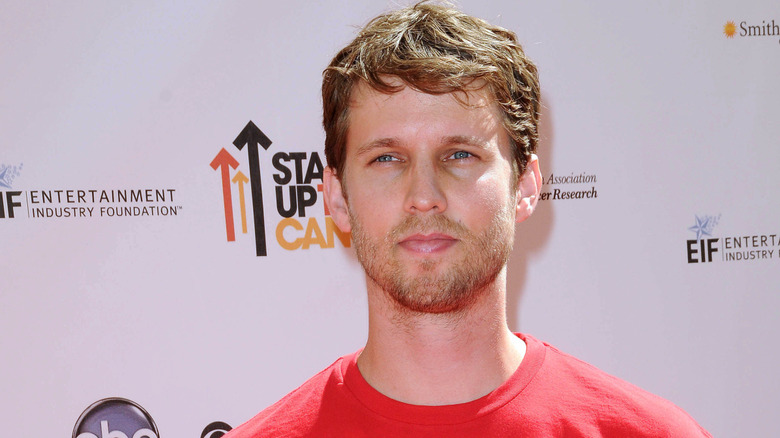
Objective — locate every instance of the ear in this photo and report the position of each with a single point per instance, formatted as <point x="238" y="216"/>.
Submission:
<point x="335" y="200"/>
<point x="529" y="185"/>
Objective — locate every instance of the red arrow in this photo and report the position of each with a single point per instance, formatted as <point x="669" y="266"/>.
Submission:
<point x="241" y="179"/>
<point x="226" y="161"/>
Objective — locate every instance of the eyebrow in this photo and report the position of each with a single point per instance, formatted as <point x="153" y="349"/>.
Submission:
<point x="387" y="142"/>
<point x="374" y="144"/>
<point x="468" y="140"/>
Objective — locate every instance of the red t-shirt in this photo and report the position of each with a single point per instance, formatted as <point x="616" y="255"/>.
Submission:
<point x="551" y="394"/>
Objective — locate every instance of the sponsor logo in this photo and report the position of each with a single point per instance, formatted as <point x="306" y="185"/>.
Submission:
<point x="8" y="173"/>
<point x="10" y="199"/>
<point x="701" y="250"/>
<point x="297" y="185"/>
<point x="115" y="418"/>
<point x="704" y="225"/>
<point x="708" y="247"/>
<point x="79" y="203"/>
<point x="216" y="429"/>
<point x="751" y="29"/>
<point x="580" y="181"/>
<point x="729" y="29"/>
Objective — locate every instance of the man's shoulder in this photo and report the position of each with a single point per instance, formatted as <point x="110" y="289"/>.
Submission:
<point x="585" y="381"/>
<point x="294" y="413"/>
<point x="620" y="406"/>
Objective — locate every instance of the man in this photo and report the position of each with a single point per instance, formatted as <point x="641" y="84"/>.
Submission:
<point x="431" y="132"/>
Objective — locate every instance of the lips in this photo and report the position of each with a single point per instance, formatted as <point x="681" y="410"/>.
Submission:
<point x="428" y="243"/>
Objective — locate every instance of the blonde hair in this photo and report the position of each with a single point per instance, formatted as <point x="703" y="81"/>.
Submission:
<point x="436" y="50"/>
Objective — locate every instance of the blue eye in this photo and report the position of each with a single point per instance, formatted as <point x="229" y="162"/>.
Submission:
<point x="384" y="158"/>
<point x="461" y="155"/>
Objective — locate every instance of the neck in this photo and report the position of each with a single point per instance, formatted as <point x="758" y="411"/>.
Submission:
<point x="439" y="359"/>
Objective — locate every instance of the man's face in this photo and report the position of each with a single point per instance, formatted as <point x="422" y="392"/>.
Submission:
<point x="429" y="194"/>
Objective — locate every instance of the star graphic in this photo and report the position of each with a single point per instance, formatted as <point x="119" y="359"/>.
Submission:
<point x="701" y="227"/>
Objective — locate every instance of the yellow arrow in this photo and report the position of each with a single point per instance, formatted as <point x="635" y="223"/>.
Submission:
<point x="241" y="179"/>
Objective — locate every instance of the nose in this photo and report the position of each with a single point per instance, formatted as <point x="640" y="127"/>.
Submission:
<point x="424" y="189"/>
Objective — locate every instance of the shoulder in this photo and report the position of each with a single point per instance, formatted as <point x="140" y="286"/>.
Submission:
<point x="296" y="413"/>
<point x="616" y="406"/>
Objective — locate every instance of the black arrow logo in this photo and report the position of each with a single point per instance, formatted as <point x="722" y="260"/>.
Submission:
<point x="252" y="136"/>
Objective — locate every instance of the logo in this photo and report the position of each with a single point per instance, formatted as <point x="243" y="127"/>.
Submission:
<point x="9" y="200"/>
<point x="251" y="136"/>
<point x="704" y="226"/>
<point x="729" y="29"/>
<point x="571" y="179"/>
<point x="216" y="429"/>
<point x="86" y="202"/>
<point x="115" y="418"/>
<point x="767" y="28"/>
<point x="8" y="173"/>
<point x="296" y="193"/>
<point x="707" y="247"/>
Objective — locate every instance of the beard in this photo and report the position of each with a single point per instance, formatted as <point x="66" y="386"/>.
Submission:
<point x="435" y="288"/>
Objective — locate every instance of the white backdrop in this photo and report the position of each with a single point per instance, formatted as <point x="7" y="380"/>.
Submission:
<point x="673" y="124"/>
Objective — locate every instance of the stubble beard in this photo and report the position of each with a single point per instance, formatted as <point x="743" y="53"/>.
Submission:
<point x="431" y="290"/>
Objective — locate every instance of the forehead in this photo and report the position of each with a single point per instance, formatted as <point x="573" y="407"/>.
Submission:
<point x="472" y="95"/>
<point x="409" y="112"/>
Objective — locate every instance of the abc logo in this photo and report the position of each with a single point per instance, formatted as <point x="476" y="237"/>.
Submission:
<point x="216" y="429"/>
<point x="115" y="418"/>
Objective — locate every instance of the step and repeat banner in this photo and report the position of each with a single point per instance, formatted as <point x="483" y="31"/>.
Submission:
<point x="169" y="267"/>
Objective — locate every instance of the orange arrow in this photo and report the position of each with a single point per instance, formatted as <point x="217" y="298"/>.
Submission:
<point x="225" y="161"/>
<point x="241" y="179"/>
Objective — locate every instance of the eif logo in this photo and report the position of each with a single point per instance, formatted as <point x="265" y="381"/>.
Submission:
<point x="115" y="418"/>
<point x="67" y="203"/>
<point x="298" y="187"/>
<point x="701" y="250"/>
<point x="9" y="200"/>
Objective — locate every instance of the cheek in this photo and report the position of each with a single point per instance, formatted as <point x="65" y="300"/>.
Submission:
<point x="371" y="209"/>
<point x="491" y="194"/>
